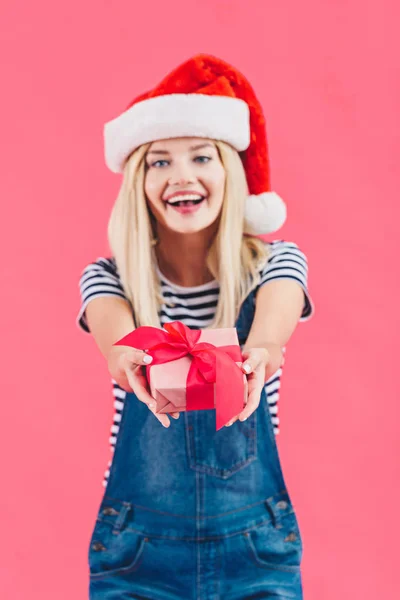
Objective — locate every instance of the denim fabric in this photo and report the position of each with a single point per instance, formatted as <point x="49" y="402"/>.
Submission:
<point x="191" y="513"/>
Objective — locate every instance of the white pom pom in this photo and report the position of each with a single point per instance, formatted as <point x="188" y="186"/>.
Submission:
<point x="264" y="213"/>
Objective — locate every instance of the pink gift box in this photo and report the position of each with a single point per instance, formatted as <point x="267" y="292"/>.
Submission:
<point x="168" y="380"/>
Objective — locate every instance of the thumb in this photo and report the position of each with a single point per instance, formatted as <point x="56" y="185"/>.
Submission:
<point x="251" y="360"/>
<point x="138" y="357"/>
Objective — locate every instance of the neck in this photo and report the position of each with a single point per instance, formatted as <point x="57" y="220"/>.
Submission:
<point x="182" y="257"/>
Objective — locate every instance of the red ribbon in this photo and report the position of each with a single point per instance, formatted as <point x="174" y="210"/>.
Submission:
<point x="210" y="365"/>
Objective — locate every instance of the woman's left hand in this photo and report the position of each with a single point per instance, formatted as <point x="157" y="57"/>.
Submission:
<point x="255" y="366"/>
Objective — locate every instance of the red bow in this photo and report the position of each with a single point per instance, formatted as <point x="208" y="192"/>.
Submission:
<point x="210" y="365"/>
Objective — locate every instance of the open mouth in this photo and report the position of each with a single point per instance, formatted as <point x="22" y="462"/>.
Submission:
<point x="186" y="201"/>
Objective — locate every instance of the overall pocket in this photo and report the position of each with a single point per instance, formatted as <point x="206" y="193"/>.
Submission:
<point x="220" y="453"/>
<point x="276" y="548"/>
<point x="114" y="552"/>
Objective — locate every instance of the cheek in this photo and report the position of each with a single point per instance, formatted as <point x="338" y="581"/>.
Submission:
<point x="217" y="182"/>
<point x="155" y="209"/>
<point x="152" y="208"/>
<point x="152" y="190"/>
<point x="151" y="187"/>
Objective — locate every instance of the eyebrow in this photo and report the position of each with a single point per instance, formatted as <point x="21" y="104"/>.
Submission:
<point x="192" y="148"/>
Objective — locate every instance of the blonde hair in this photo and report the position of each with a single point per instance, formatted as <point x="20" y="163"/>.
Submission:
<point x="233" y="259"/>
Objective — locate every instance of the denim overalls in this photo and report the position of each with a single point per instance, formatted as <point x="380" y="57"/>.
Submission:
<point x="191" y="513"/>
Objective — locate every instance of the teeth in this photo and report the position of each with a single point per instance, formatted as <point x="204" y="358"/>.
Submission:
<point x="185" y="198"/>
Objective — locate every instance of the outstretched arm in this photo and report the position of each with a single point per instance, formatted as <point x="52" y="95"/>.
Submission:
<point x="279" y="305"/>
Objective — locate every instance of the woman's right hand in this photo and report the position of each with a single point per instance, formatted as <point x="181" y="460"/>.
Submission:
<point x="126" y="366"/>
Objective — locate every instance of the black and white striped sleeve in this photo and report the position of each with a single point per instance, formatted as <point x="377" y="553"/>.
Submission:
<point x="99" y="278"/>
<point x="287" y="261"/>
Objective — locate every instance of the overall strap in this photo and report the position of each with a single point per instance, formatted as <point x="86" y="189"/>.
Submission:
<point x="245" y="318"/>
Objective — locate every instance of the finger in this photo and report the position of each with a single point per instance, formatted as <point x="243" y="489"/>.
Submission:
<point x="140" y="391"/>
<point x="138" y="357"/>
<point x="232" y="421"/>
<point x="175" y="415"/>
<point x="252" y="404"/>
<point x="143" y="395"/>
<point x="164" y="420"/>
<point x="147" y="399"/>
<point x="252" y="359"/>
<point x="250" y="364"/>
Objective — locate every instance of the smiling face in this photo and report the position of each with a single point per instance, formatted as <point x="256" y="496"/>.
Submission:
<point x="184" y="183"/>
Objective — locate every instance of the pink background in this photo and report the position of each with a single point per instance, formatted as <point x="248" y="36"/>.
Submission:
<point x="328" y="77"/>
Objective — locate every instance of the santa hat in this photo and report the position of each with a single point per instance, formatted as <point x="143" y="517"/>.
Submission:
<point x="204" y="97"/>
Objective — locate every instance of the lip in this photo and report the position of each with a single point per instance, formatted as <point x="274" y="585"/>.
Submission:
<point x="182" y="193"/>
<point x="185" y="210"/>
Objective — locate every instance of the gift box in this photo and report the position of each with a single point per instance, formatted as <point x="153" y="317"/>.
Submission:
<point x="168" y="380"/>
<point x="193" y="369"/>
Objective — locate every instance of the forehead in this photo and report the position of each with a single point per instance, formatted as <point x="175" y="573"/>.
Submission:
<point x="186" y="144"/>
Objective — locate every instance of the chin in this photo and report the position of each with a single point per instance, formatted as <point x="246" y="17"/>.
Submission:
<point x="187" y="230"/>
<point x="190" y="228"/>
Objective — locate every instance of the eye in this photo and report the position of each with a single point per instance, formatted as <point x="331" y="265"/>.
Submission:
<point x="159" y="163"/>
<point x="203" y="159"/>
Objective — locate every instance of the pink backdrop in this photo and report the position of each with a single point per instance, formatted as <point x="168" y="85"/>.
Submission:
<point x="327" y="75"/>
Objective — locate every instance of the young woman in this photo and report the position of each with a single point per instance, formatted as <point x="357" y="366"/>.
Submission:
<point x="189" y="512"/>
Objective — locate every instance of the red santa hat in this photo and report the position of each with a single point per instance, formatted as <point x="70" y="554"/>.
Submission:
<point x="204" y="97"/>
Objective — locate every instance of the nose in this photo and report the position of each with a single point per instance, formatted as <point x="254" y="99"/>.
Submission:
<point x="182" y="175"/>
<point x="180" y="181"/>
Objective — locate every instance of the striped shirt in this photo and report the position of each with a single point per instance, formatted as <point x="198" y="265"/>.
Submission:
<point x="195" y="307"/>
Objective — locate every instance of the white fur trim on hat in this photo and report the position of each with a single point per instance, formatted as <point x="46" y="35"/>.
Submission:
<point x="264" y="213"/>
<point x="176" y="115"/>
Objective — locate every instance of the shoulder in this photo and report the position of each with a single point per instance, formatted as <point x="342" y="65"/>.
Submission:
<point x="101" y="265"/>
<point x="285" y="250"/>
<point x="101" y="273"/>
<point x="285" y="259"/>
<point x="99" y="278"/>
